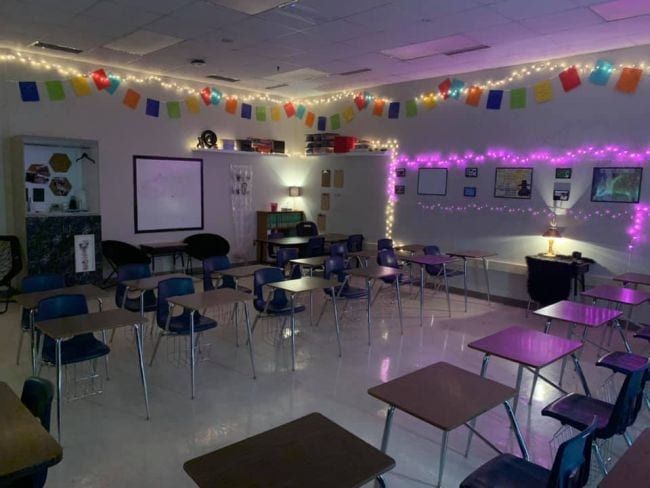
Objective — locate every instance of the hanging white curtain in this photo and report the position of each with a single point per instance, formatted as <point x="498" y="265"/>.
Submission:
<point x="241" y="197"/>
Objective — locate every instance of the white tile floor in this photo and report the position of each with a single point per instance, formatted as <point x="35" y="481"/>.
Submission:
<point x="108" y="442"/>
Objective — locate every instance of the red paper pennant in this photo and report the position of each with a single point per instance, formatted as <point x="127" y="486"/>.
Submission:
<point x="360" y="101"/>
<point x="444" y="88"/>
<point x="206" y="95"/>
<point x="289" y="109"/>
<point x="570" y="79"/>
<point x="101" y="79"/>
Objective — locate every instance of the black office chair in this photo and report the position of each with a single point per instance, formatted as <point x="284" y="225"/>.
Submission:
<point x="548" y="282"/>
<point x="205" y="245"/>
<point x="306" y="229"/>
<point x="119" y="253"/>
<point x="315" y="247"/>
<point x="10" y="265"/>
<point x="271" y="249"/>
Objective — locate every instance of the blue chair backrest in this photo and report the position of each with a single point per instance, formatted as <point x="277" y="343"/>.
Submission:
<point x="339" y="249"/>
<point x="627" y="406"/>
<point x="573" y="461"/>
<point x="306" y="229"/>
<point x="216" y="263"/>
<point x="433" y="251"/>
<point x="284" y="255"/>
<point x="60" y="306"/>
<point x="37" y="396"/>
<point x="40" y="282"/>
<point x="261" y="278"/>
<point x="316" y="246"/>
<point x="384" y="243"/>
<point x="335" y="265"/>
<point x="170" y="288"/>
<point x="355" y="242"/>
<point x="388" y="258"/>
<point x="131" y="272"/>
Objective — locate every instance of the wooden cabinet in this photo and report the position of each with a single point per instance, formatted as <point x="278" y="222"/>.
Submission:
<point x="268" y="222"/>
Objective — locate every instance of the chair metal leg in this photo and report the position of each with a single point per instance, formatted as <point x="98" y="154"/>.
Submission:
<point x="528" y="307"/>
<point x="387" y="426"/>
<point x="515" y="401"/>
<point x="399" y="306"/>
<point x="143" y="378"/>
<point x="155" y="349"/>
<point x="599" y="458"/>
<point x="336" y="320"/>
<point x="250" y="339"/>
<point x="484" y="366"/>
<point x="564" y="360"/>
<point x="58" y="388"/>
<point x="465" y="281"/>
<point x="236" y="322"/>
<point x="628" y="439"/>
<point x="20" y="346"/>
<point x="369" y="289"/>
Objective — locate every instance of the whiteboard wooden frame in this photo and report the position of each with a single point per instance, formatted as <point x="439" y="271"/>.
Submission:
<point x="136" y="158"/>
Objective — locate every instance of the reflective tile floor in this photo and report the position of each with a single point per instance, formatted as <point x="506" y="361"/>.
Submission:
<point x="108" y="443"/>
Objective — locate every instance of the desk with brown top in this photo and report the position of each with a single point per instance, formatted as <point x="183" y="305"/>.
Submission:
<point x="333" y="237"/>
<point x="311" y="451"/>
<point x="209" y="299"/>
<point x="66" y="327"/>
<point x="433" y="260"/>
<point x="154" y="249"/>
<point x="445" y="396"/>
<point x="632" y="470"/>
<point x="239" y="272"/>
<point x="633" y="279"/>
<point x="25" y="446"/>
<point x="372" y="273"/>
<point x="465" y="255"/>
<point x="302" y="285"/>
<point x="30" y="301"/>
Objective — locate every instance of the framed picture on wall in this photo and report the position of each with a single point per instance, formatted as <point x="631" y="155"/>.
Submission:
<point x="513" y="183"/>
<point x="621" y="185"/>
<point x="400" y="189"/>
<point x="563" y="173"/>
<point x="471" y="172"/>
<point x="432" y="181"/>
<point x="469" y="191"/>
<point x="400" y="172"/>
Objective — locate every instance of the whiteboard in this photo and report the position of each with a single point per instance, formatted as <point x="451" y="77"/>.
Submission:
<point x="168" y="193"/>
<point x="432" y="181"/>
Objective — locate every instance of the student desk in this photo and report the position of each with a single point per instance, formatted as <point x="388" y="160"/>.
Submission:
<point x="445" y="396"/>
<point x="209" y="299"/>
<point x="632" y="469"/>
<point x="30" y="301"/>
<point x="311" y="451"/>
<point x="433" y="260"/>
<point x="25" y="446"/>
<point x="633" y="279"/>
<point x="371" y="273"/>
<point x="311" y="264"/>
<point x="410" y="248"/>
<point x="332" y="238"/>
<point x="302" y="285"/>
<point x="66" y="327"/>
<point x="474" y="254"/>
<point x="239" y="272"/>
<point x="154" y="249"/>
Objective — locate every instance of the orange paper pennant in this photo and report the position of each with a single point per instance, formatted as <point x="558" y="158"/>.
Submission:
<point x="629" y="80"/>
<point x="231" y="106"/>
<point x="131" y="98"/>
<point x="309" y="119"/>
<point x="474" y="96"/>
<point x="378" y="108"/>
<point x="543" y="91"/>
<point x="429" y="101"/>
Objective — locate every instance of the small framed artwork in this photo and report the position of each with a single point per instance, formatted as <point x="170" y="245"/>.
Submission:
<point x="469" y="191"/>
<point x="513" y="183"/>
<point x="563" y="173"/>
<point x="400" y="189"/>
<point x="38" y="194"/>
<point x="561" y="192"/>
<point x="614" y="184"/>
<point x="471" y="172"/>
<point x="400" y="172"/>
<point x="326" y="178"/>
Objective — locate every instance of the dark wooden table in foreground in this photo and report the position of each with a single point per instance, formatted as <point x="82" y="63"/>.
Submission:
<point x="310" y="452"/>
<point x="632" y="469"/>
<point x="25" y="446"/>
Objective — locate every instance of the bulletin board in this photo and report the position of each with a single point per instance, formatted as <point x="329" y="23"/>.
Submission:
<point x="168" y="194"/>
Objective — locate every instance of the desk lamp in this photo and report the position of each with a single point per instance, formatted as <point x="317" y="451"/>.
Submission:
<point x="295" y="191"/>
<point x="551" y="234"/>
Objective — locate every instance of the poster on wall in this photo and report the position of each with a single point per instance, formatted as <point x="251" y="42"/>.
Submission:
<point x="241" y="198"/>
<point x="513" y="183"/>
<point x="84" y="253"/>
<point x="339" y="178"/>
<point x="621" y="185"/>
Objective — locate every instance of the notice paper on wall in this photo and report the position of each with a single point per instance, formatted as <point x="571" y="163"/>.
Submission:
<point x="84" y="253"/>
<point x="338" y="178"/>
<point x="325" y="201"/>
<point x="321" y="222"/>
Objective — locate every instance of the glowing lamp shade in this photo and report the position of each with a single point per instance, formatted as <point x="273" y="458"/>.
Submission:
<point x="551" y="234"/>
<point x="295" y="191"/>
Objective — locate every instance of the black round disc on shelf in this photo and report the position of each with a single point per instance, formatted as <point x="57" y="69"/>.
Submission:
<point x="209" y="138"/>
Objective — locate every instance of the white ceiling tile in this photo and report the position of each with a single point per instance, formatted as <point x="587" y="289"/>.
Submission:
<point x="250" y="7"/>
<point x="501" y="34"/>
<point x="196" y="19"/>
<point x="556" y="22"/>
<point x="622" y="9"/>
<point x="157" y="6"/>
<point x="526" y="9"/>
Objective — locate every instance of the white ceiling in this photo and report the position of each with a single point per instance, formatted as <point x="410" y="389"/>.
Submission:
<point x="322" y="38"/>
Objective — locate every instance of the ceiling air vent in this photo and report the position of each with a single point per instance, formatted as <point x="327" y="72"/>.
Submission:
<point x="56" y="47"/>
<point x="223" y="78"/>
<point x="281" y="85"/>
<point x="355" y="72"/>
<point x="464" y="50"/>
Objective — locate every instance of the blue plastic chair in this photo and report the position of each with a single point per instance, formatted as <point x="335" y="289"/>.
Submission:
<point x="278" y="305"/>
<point x="577" y="411"/>
<point x="37" y="397"/>
<point x="336" y="268"/>
<point x="283" y="259"/>
<point x="339" y="249"/>
<point x="33" y="284"/>
<point x="388" y="258"/>
<point x="315" y="247"/>
<point x="355" y="242"/>
<point x="306" y="229"/>
<point x="178" y="325"/>
<point x="570" y="468"/>
<point x="134" y="272"/>
<point x="384" y="243"/>
<point x="80" y="348"/>
<point x="217" y="263"/>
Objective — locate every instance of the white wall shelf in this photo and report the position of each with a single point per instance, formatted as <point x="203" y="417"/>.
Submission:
<point x="239" y="153"/>
<point x="356" y="154"/>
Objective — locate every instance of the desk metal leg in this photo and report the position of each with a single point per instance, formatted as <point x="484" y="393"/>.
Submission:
<point x="369" y="290"/>
<point x="520" y="372"/>
<point x="444" y="270"/>
<point x="443" y="456"/>
<point x="399" y="305"/>
<point x="100" y="306"/>
<point x="547" y="327"/>
<point x="235" y="319"/>
<point x="250" y="338"/>
<point x="581" y="375"/>
<point x="532" y="390"/>
<point x="58" y="388"/>
<point x="569" y="335"/>
<point x="293" y="333"/>
<point x="192" y="351"/>
<point x="311" y="301"/>
<point x="33" y="337"/>
<point x="617" y="325"/>
<point x="487" y="278"/>
<point x="421" y="291"/>
<point x="143" y="378"/>
<point x="387" y="427"/>
<point x="515" y="426"/>
<point x="465" y="281"/>
<point x="484" y="365"/>
<point x="336" y="320"/>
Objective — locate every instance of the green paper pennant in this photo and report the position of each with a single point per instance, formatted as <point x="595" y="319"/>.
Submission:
<point x="174" y="110"/>
<point x="518" y="98"/>
<point x="335" y="122"/>
<point x="411" y="108"/>
<point x="260" y="114"/>
<point x="55" y="90"/>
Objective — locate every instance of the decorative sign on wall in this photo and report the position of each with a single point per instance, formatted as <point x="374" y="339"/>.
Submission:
<point x="400" y="189"/>
<point x="400" y="172"/>
<point x="513" y="182"/>
<point x="471" y="172"/>
<point x="325" y="201"/>
<point x="469" y="191"/>
<point x="616" y="185"/>
<point x="338" y="178"/>
<point x="241" y="199"/>
<point x="563" y="173"/>
<point x="84" y="253"/>
<point x="325" y="178"/>
<point x="561" y="191"/>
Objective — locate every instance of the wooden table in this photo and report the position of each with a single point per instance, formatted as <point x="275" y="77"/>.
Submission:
<point x="309" y="452"/>
<point x="302" y="285"/>
<point x="209" y="299"/>
<point x="154" y="249"/>
<point x="474" y="254"/>
<point x="411" y="248"/>
<point x="239" y="272"/>
<point x="66" y="327"/>
<point x="578" y="268"/>
<point x="633" y="279"/>
<point x="30" y="301"/>
<point x="433" y="260"/>
<point x="445" y="396"/>
<point x="25" y="446"/>
<point x="370" y="273"/>
<point x="632" y="469"/>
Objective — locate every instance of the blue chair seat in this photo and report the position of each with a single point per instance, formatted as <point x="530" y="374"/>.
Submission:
<point x="181" y="324"/>
<point x="644" y="333"/>
<point x="623" y="362"/>
<point x="80" y="348"/>
<point x="508" y="471"/>
<point x="150" y="303"/>
<point x="352" y="292"/>
<point x="578" y="411"/>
